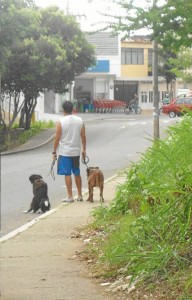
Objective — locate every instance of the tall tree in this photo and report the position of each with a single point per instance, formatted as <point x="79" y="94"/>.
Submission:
<point x="175" y="29"/>
<point x="12" y="30"/>
<point x="51" y="53"/>
<point x="166" y="67"/>
<point x="169" y="23"/>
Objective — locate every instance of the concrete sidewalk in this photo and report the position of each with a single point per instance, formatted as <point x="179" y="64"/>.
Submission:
<point x="40" y="263"/>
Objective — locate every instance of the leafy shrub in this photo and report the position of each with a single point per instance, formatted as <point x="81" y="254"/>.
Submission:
<point x="157" y="198"/>
<point x="36" y="128"/>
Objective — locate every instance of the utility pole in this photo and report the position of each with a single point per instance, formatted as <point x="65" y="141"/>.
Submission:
<point x="156" y="134"/>
<point x="0" y="94"/>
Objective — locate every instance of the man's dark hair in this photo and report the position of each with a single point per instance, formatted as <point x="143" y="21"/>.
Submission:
<point x="67" y="107"/>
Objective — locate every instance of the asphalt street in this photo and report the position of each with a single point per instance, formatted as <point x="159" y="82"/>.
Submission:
<point x="113" y="143"/>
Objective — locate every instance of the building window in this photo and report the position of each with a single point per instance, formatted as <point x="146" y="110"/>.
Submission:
<point x="144" y="97"/>
<point x="150" y="62"/>
<point x="150" y="57"/>
<point x="150" y="97"/>
<point x="132" y="56"/>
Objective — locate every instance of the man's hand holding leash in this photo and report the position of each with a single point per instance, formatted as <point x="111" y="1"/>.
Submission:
<point x="83" y="153"/>
<point x="54" y="156"/>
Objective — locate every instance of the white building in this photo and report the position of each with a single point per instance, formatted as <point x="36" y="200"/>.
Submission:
<point x="98" y="81"/>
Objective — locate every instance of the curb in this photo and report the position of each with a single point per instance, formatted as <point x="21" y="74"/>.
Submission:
<point x="43" y="216"/>
<point x="29" y="149"/>
<point x="26" y="226"/>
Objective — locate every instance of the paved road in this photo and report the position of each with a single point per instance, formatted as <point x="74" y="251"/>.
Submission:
<point x="113" y="143"/>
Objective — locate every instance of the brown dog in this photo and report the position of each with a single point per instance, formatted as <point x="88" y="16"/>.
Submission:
<point x="95" y="179"/>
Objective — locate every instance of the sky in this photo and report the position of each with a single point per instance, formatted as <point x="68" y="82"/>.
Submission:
<point x="87" y="9"/>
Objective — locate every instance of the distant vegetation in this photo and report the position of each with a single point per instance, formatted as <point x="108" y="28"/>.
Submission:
<point x="16" y="137"/>
<point x="41" y="49"/>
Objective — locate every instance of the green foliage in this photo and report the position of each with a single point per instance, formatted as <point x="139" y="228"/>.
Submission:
<point x="50" y="50"/>
<point x="47" y="51"/>
<point x="166" y="69"/>
<point x="148" y="226"/>
<point x="169" y="22"/>
<point x="12" y="26"/>
<point x="36" y="128"/>
<point x="182" y="64"/>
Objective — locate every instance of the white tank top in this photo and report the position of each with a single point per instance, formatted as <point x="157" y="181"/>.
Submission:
<point x="70" y="142"/>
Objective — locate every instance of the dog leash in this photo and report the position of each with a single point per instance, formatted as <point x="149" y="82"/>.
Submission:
<point x="52" y="173"/>
<point x="85" y="160"/>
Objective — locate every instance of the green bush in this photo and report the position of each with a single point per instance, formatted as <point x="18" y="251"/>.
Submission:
<point x="36" y="128"/>
<point x="153" y="236"/>
<point x="14" y="138"/>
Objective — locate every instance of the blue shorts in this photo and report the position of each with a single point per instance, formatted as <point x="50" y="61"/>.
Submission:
<point x="67" y="165"/>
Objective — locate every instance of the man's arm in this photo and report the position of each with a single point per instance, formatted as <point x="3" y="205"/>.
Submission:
<point x="57" y="138"/>
<point x="83" y="140"/>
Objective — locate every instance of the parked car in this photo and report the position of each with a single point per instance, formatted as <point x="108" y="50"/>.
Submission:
<point x="177" y="106"/>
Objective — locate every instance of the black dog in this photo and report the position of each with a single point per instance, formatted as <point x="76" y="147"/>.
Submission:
<point x="40" y="190"/>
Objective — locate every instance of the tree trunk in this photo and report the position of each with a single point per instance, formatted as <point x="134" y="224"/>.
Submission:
<point x="167" y="86"/>
<point x="27" y="112"/>
<point x="22" y="118"/>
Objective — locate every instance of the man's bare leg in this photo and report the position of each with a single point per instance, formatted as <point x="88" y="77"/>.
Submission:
<point x="68" y="181"/>
<point x="78" y="183"/>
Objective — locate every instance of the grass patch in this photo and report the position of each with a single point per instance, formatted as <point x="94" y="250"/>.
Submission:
<point x="36" y="128"/>
<point x="16" y="137"/>
<point x="147" y="229"/>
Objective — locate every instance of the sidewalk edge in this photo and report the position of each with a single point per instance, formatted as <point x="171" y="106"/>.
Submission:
<point x="43" y="216"/>
<point x="29" y="149"/>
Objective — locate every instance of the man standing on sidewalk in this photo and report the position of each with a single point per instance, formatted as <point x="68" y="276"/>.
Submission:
<point x="70" y="133"/>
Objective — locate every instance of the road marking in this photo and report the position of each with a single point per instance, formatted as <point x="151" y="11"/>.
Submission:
<point x="27" y="225"/>
<point x="133" y="123"/>
<point x="119" y="119"/>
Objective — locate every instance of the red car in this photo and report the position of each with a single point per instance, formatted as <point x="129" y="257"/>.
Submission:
<point x="178" y="106"/>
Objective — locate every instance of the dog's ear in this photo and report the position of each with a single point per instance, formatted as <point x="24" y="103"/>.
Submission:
<point x="31" y="178"/>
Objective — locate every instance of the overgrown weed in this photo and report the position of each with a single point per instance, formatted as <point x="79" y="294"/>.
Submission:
<point x="36" y="128"/>
<point x="148" y="226"/>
